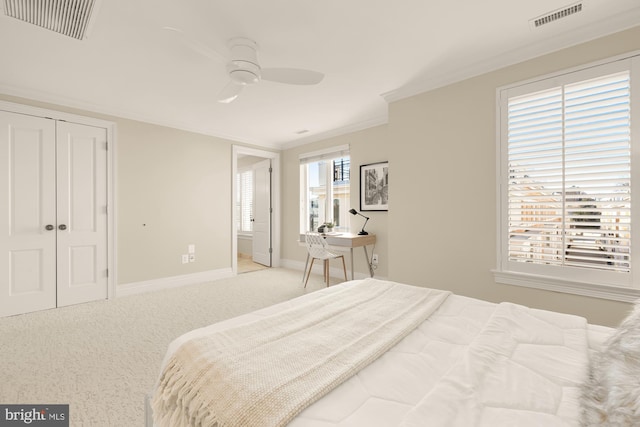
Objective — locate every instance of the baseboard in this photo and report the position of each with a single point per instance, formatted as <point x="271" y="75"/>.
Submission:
<point x="172" y="282"/>
<point x="291" y="264"/>
<point x="335" y="272"/>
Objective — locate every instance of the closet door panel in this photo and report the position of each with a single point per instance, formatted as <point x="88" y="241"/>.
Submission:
<point x="28" y="214"/>
<point x="82" y="213"/>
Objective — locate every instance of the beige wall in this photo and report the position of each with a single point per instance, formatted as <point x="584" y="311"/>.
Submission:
<point x="442" y="222"/>
<point x="367" y="146"/>
<point x="174" y="189"/>
<point x="245" y="245"/>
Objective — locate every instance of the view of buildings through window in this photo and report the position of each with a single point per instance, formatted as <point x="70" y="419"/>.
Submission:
<point x="569" y="160"/>
<point x="327" y="194"/>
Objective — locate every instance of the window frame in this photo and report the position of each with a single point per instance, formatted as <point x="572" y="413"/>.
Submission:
<point x="329" y="155"/>
<point x="240" y="201"/>
<point x="587" y="282"/>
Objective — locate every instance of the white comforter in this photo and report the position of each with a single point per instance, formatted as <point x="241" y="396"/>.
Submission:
<point x="472" y="363"/>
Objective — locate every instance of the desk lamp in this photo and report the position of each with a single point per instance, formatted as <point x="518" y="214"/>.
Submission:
<point x="355" y="212"/>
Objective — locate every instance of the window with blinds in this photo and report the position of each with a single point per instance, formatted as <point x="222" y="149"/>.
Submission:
<point x="569" y="151"/>
<point x="566" y="176"/>
<point x="244" y="201"/>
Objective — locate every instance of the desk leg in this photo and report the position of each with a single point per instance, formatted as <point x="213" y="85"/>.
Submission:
<point x="306" y="264"/>
<point x="366" y="255"/>
<point x="352" y="274"/>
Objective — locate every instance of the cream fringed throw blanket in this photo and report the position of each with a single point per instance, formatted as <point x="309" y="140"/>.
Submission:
<point x="265" y="372"/>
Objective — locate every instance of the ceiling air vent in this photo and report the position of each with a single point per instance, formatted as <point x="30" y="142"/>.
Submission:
<point x="555" y="15"/>
<point x="68" y="17"/>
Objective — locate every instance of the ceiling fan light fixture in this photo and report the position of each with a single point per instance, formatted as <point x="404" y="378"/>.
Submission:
<point x="244" y="72"/>
<point x="244" y="77"/>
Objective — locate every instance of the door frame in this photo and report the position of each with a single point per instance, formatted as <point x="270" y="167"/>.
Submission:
<point x="111" y="129"/>
<point x="238" y="150"/>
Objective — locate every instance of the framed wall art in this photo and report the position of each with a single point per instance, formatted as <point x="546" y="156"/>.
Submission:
<point x="374" y="187"/>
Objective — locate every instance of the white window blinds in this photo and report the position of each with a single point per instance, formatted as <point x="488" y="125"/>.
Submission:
<point x="569" y="175"/>
<point x="244" y="201"/>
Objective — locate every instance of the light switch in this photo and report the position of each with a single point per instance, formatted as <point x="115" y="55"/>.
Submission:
<point x="192" y="249"/>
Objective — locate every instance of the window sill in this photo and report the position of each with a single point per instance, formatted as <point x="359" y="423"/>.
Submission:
<point x="614" y="293"/>
<point x="245" y="235"/>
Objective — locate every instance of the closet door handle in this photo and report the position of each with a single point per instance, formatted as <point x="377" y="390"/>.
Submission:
<point x="62" y="227"/>
<point x="49" y="227"/>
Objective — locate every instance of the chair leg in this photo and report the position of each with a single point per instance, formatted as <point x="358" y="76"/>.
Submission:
<point x="306" y="264"/>
<point x="344" y="268"/>
<point x="309" y="273"/>
<point x="326" y="272"/>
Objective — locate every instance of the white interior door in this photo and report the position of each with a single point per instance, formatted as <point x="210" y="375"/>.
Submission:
<point x="28" y="215"/>
<point x="81" y="213"/>
<point x="262" y="213"/>
<point x="53" y="241"/>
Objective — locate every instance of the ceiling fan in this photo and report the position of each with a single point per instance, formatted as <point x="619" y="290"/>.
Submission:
<point x="244" y="70"/>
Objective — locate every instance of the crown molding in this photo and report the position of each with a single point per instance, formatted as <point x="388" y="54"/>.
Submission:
<point x="579" y="36"/>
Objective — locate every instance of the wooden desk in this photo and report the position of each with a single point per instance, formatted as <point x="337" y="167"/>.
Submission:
<point x="347" y="240"/>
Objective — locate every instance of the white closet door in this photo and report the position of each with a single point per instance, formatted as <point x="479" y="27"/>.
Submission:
<point x="81" y="213"/>
<point x="27" y="214"/>
<point x="262" y="213"/>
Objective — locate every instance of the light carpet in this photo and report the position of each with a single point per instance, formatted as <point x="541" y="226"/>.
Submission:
<point x="103" y="357"/>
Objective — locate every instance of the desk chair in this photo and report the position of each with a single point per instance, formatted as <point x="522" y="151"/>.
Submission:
<point x="317" y="248"/>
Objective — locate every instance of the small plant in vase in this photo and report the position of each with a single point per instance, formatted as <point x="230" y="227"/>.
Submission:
<point x="328" y="227"/>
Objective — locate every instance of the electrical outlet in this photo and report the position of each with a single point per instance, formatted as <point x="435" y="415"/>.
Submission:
<point x="374" y="259"/>
<point x="185" y="258"/>
<point x="192" y="257"/>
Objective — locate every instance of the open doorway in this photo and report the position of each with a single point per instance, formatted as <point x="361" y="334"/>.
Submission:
<point x="255" y="209"/>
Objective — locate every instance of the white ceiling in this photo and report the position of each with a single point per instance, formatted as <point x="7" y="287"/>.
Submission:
<point x="371" y="52"/>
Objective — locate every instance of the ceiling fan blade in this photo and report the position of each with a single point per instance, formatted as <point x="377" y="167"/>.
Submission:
<point x="292" y="76"/>
<point x="229" y="93"/>
<point x="197" y="46"/>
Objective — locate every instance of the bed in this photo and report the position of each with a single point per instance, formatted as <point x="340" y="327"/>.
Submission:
<point x="419" y="357"/>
